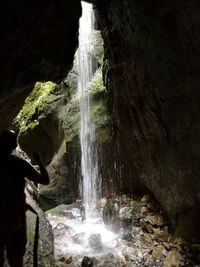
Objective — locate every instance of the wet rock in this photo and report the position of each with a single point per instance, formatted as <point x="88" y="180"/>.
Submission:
<point x="150" y="206"/>
<point x="88" y="262"/>
<point x="145" y="199"/>
<point x="160" y="234"/>
<point x="111" y="213"/>
<point x="155" y="220"/>
<point x="111" y="260"/>
<point x="125" y="212"/>
<point x="126" y="199"/>
<point x="178" y="241"/>
<point x="79" y="238"/>
<point x="67" y="214"/>
<point x="60" y="229"/>
<point x="95" y="241"/>
<point x="128" y="252"/>
<point x="125" y="216"/>
<point x="144" y="211"/>
<point x="158" y="252"/>
<point x="174" y="258"/>
<point x="69" y="260"/>
<point x="62" y="259"/>
<point x="65" y="262"/>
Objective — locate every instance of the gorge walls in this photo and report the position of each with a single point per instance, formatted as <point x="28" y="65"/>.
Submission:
<point x="151" y="70"/>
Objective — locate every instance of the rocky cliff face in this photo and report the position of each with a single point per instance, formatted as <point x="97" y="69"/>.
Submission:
<point x="38" y="41"/>
<point x="152" y="75"/>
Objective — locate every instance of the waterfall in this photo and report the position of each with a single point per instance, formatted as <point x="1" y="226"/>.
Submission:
<point x="90" y="187"/>
<point x="85" y="237"/>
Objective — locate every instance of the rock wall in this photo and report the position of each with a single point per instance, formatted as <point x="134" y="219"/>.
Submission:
<point x="151" y="70"/>
<point x="38" y="41"/>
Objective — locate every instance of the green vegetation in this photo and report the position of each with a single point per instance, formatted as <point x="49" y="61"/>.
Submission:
<point x="30" y="235"/>
<point x="71" y="122"/>
<point x="96" y="86"/>
<point x="98" y="47"/>
<point x="71" y="80"/>
<point x="99" y="114"/>
<point x="101" y="119"/>
<point x="72" y="127"/>
<point x="55" y="211"/>
<point x="28" y="118"/>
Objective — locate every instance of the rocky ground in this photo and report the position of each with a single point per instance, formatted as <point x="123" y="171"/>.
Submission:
<point x="142" y="237"/>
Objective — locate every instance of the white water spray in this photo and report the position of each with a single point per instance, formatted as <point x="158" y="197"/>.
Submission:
<point x="90" y="186"/>
<point x="77" y="237"/>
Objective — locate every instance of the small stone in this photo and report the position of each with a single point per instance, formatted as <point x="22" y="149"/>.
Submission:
<point x="88" y="262"/>
<point x="169" y="239"/>
<point x="145" y="198"/>
<point x="155" y="220"/>
<point x="158" y="252"/>
<point x="144" y="210"/>
<point x="62" y="259"/>
<point x="178" y="241"/>
<point x="174" y="258"/>
<point x="69" y="260"/>
<point x="67" y="214"/>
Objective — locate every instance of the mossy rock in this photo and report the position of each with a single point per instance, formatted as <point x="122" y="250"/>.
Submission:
<point x="71" y="81"/>
<point x="71" y="120"/>
<point x="97" y="89"/>
<point x="99" y="114"/>
<point x="98" y="47"/>
<point x="28" y="117"/>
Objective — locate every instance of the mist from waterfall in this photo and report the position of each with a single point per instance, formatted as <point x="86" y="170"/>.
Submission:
<point x="90" y="186"/>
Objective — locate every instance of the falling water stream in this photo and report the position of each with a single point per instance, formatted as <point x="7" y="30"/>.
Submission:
<point x="89" y="167"/>
<point x="75" y="236"/>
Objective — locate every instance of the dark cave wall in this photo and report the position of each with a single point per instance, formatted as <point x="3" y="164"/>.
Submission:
<point x="151" y="69"/>
<point x="38" y="42"/>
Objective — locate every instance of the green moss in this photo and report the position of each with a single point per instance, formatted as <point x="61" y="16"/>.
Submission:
<point x="71" y="122"/>
<point x="96" y="86"/>
<point x="72" y="127"/>
<point x="55" y="210"/>
<point x="99" y="114"/>
<point x="71" y="80"/>
<point x="28" y="117"/>
<point x="31" y="235"/>
<point x="98" y="47"/>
